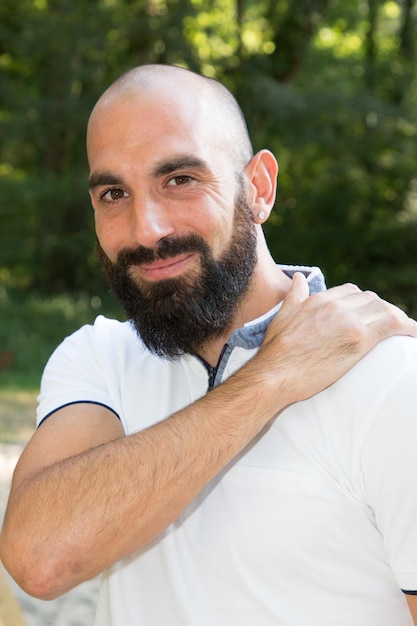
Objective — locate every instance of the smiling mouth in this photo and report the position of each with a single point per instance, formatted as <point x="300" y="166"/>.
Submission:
<point x="163" y="268"/>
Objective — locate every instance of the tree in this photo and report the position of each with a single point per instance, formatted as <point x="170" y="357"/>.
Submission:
<point x="329" y="85"/>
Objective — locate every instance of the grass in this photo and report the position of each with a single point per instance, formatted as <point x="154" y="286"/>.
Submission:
<point x="32" y="325"/>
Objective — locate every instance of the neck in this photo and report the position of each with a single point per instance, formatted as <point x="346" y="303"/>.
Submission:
<point x="269" y="286"/>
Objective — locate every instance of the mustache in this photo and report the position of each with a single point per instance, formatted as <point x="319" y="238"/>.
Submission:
<point x="166" y="248"/>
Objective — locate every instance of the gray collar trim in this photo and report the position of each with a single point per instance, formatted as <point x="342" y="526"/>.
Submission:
<point x="251" y="335"/>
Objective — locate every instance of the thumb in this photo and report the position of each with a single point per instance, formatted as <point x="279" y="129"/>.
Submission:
<point x="299" y="290"/>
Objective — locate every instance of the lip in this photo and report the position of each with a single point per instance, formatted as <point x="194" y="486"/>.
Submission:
<point x="164" y="268"/>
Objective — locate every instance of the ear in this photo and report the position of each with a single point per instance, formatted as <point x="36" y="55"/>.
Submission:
<point x="261" y="174"/>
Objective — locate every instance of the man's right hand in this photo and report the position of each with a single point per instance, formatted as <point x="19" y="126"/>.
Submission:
<point x="322" y="336"/>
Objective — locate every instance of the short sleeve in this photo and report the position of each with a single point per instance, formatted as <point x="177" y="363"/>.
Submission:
<point x="74" y="373"/>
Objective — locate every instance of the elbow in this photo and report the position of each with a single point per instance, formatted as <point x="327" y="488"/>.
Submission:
<point x="40" y="576"/>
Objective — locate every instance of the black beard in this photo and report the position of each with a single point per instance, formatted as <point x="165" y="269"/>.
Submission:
<point x="179" y="315"/>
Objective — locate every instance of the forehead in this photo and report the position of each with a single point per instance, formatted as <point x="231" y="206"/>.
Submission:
<point x="152" y="125"/>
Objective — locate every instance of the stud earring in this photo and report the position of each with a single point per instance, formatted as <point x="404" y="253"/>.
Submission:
<point x="261" y="215"/>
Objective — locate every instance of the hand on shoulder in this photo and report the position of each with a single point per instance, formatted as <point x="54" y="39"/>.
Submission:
<point x="319" y="338"/>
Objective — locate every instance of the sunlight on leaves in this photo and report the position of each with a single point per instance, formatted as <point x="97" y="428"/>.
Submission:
<point x="343" y="44"/>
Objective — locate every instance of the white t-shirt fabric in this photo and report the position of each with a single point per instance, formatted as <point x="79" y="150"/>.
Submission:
<point x="315" y="522"/>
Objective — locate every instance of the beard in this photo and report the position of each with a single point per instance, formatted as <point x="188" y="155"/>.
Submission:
<point x="179" y="315"/>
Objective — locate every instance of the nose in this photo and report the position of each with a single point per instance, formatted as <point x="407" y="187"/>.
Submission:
<point x="151" y="220"/>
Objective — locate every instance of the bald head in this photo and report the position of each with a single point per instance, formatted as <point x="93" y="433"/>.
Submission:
<point x="175" y="84"/>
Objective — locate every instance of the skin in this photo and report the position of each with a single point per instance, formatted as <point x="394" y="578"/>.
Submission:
<point x="160" y="166"/>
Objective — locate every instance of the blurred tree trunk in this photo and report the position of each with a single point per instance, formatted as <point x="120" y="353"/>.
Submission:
<point x="370" y="45"/>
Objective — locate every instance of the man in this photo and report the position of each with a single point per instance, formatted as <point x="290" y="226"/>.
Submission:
<point x="203" y="455"/>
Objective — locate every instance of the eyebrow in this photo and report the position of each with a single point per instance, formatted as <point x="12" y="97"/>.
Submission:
<point x="168" y="166"/>
<point x="101" y="179"/>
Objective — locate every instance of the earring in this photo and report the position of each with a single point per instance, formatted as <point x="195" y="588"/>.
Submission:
<point x="261" y="215"/>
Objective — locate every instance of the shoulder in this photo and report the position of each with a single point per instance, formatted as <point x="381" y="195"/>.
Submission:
<point x="380" y="389"/>
<point x="381" y="392"/>
<point x="386" y="362"/>
<point x="380" y="371"/>
<point x="104" y="336"/>
<point x="88" y="364"/>
<point x="398" y="345"/>
<point x="106" y="349"/>
<point x="390" y="372"/>
<point x="103" y="328"/>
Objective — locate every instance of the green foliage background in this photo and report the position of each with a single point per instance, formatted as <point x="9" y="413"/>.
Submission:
<point x="328" y="85"/>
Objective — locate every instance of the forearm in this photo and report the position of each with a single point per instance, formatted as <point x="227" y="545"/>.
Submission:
<point x="92" y="509"/>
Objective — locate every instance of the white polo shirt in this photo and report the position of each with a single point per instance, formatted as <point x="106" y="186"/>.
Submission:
<point x="314" y="524"/>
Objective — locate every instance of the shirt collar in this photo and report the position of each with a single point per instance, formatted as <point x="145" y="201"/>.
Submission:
<point x="252" y="334"/>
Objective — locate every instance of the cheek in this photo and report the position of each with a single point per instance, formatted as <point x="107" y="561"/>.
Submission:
<point x="221" y="235"/>
<point x="109" y="235"/>
<point x="214" y="222"/>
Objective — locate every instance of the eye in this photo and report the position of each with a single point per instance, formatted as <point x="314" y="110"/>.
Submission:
<point x="177" y="181"/>
<point x="112" y="195"/>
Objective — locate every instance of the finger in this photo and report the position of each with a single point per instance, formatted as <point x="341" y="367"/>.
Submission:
<point x="386" y="319"/>
<point x="381" y="319"/>
<point x="341" y="291"/>
<point x="350" y="298"/>
<point x="370" y="309"/>
<point x="298" y="292"/>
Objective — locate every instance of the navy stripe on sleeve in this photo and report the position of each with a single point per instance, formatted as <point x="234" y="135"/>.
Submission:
<point x="78" y="402"/>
